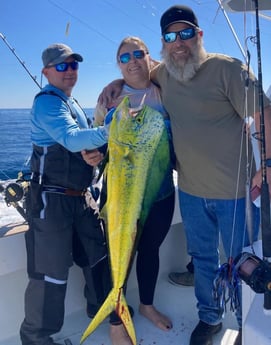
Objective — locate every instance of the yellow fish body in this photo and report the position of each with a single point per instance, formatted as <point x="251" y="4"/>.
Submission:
<point x="138" y="161"/>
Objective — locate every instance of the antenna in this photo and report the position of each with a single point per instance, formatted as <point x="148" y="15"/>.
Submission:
<point x="21" y="62"/>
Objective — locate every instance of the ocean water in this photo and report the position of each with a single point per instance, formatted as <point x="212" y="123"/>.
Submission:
<point x="15" y="152"/>
<point x="15" y="145"/>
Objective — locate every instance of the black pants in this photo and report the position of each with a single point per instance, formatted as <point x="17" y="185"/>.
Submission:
<point x="154" y="232"/>
<point x="97" y="277"/>
<point x="49" y="244"/>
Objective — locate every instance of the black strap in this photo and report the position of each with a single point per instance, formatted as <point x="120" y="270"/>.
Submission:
<point x="63" y="190"/>
<point x="53" y="93"/>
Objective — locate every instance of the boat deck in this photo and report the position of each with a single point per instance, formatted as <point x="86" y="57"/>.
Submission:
<point x="176" y="302"/>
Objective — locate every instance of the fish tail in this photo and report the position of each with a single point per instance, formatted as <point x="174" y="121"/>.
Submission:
<point x="107" y="307"/>
<point x="125" y="316"/>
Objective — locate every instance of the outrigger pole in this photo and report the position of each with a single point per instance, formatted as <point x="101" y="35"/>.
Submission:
<point x="21" y="62"/>
<point x="232" y="30"/>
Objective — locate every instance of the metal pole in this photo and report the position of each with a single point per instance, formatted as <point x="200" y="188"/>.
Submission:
<point x="232" y="30"/>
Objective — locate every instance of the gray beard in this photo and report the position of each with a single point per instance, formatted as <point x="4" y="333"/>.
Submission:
<point x="184" y="70"/>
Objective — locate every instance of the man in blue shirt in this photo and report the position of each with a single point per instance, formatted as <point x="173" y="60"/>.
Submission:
<point x="57" y="208"/>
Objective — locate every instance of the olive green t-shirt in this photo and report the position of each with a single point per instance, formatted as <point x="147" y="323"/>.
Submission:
<point x="207" y="118"/>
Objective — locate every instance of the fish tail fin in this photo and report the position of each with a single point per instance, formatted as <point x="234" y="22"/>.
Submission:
<point x="107" y="307"/>
<point x="125" y="316"/>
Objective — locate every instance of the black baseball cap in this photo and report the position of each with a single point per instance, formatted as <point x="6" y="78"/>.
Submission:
<point x="178" y="14"/>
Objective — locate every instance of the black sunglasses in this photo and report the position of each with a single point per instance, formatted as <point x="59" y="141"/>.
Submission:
<point x="137" y="54"/>
<point x="63" y="66"/>
<point x="184" y="35"/>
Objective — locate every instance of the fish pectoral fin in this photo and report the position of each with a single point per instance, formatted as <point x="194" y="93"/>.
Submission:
<point x="107" y="307"/>
<point x="125" y="316"/>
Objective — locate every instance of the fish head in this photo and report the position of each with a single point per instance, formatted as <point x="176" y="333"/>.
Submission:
<point x="130" y="125"/>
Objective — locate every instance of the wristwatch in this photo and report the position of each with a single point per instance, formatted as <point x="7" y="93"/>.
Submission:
<point x="268" y="162"/>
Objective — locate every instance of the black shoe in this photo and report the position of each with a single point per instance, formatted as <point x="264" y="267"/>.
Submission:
<point x="203" y="333"/>
<point x="51" y="342"/>
<point x="238" y="339"/>
<point x="181" y="278"/>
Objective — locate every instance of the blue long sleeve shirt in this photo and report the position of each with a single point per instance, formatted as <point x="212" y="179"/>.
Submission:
<point x="52" y="122"/>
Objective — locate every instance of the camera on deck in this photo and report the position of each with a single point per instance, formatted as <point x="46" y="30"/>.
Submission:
<point x="254" y="271"/>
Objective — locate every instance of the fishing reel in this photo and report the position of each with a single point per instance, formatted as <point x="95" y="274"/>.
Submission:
<point x="15" y="193"/>
<point x="254" y="271"/>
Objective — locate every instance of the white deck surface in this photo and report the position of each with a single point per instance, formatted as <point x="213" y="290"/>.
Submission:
<point x="176" y="302"/>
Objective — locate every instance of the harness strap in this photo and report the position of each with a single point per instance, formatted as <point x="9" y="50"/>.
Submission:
<point x="63" y="191"/>
<point x="53" y="93"/>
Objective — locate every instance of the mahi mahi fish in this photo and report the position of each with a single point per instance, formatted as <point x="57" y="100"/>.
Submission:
<point x="138" y="161"/>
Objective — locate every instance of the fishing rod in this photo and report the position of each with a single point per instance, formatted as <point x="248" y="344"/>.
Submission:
<point x="265" y="197"/>
<point x="246" y="56"/>
<point x="21" y="62"/>
<point x="15" y="192"/>
<point x="260" y="270"/>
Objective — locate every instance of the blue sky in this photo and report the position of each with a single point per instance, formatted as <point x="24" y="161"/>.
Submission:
<point x="94" y="29"/>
